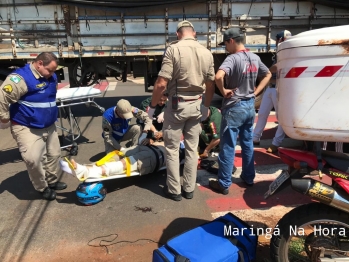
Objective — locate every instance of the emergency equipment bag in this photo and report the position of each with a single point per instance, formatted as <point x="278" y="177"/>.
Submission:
<point x="224" y="239"/>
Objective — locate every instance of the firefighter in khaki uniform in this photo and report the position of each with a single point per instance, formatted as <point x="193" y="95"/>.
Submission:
<point x="31" y="91"/>
<point x="187" y="67"/>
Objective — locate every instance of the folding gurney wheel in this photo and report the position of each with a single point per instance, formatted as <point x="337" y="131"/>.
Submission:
<point x="74" y="149"/>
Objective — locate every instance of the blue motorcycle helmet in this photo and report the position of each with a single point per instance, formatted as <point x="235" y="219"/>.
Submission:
<point x="91" y="193"/>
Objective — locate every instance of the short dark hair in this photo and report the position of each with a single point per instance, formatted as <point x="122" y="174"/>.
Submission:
<point x="239" y="40"/>
<point x="185" y="28"/>
<point x="46" y="58"/>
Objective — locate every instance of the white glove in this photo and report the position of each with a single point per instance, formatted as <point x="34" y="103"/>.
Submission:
<point x="5" y="125"/>
<point x="204" y="113"/>
<point x="161" y="118"/>
<point x="151" y="112"/>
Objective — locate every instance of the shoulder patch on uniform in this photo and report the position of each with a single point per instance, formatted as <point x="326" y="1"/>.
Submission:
<point x="8" y="89"/>
<point x="135" y="110"/>
<point x="41" y="85"/>
<point x="15" y="79"/>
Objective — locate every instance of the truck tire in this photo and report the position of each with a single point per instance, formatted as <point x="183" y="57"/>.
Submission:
<point x="311" y="215"/>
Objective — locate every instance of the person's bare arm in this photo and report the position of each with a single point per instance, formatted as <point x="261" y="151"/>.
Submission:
<point x="212" y="144"/>
<point x="209" y="83"/>
<point x="165" y="75"/>
<point x="219" y="79"/>
<point x="209" y="93"/>
<point x="159" y="88"/>
<point x="262" y="83"/>
<point x="108" y="134"/>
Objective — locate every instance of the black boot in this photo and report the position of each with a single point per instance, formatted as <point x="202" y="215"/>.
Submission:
<point x="58" y="186"/>
<point x="49" y="194"/>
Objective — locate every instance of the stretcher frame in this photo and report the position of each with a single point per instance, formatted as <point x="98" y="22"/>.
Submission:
<point x="66" y="98"/>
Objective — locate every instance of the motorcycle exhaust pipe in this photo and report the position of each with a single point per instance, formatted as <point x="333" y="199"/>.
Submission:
<point x="321" y="192"/>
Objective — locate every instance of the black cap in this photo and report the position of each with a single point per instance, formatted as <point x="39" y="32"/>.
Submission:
<point x="231" y="33"/>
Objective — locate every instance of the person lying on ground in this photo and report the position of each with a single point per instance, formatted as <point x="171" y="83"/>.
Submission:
<point x="140" y="158"/>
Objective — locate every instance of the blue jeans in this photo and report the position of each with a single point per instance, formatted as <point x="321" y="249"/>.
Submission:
<point x="237" y="121"/>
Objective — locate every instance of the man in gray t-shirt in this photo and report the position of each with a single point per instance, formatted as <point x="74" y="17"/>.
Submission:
<point x="236" y="80"/>
<point x="241" y="71"/>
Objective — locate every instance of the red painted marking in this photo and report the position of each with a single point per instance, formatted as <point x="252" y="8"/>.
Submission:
<point x="100" y="53"/>
<point x="61" y="85"/>
<point x="144" y="51"/>
<point x="261" y="157"/>
<point x="101" y="86"/>
<point x="33" y="55"/>
<point x="241" y="197"/>
<point x="328" y="71"/>
<point x="295" y="72"/>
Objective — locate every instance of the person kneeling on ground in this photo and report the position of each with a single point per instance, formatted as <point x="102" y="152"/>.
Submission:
<point x="117" y="128"/>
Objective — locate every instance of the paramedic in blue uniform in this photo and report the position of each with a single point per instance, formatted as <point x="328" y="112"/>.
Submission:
<point x="31" y="93"/>
<point x="116" y="125"/>
<point x="239" y="70"/>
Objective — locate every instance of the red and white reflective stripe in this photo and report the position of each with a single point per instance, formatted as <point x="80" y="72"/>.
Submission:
<point x="314" y="71"/>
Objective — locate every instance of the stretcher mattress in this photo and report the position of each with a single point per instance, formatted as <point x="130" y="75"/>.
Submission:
<point x="70" y="94"/>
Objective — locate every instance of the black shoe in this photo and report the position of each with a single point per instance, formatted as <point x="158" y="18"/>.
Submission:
<point x="234" y="169"/>
<point x="171" y="196"/>
<point x="187" y="195"/>
<point x="58" y="186"/>
<point x="248" y="184"/>
<point x="49" y="194"/>
<point x="215" y="186"/>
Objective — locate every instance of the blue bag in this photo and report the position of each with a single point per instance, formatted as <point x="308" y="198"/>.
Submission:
<point x="215" y="241"/>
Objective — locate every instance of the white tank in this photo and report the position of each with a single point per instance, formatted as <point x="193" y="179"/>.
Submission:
<point x="313" y="85"/>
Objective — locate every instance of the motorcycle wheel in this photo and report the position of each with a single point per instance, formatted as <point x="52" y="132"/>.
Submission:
<point x="325" y="230"/>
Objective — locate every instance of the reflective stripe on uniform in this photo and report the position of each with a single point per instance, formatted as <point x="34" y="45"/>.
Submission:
<point x="37" y="104"/>
<point x="118" y="133"/>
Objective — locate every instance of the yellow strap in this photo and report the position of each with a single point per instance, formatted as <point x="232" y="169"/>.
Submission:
<point x="128" y="166"/>
<point x="109" y="157"/>
<point x="69" y="164"/>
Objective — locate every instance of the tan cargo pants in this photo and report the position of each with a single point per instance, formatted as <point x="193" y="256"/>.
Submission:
<point x="132" y="134"/>
<point x="186" y="121"/>
<point x="40" y="151"/>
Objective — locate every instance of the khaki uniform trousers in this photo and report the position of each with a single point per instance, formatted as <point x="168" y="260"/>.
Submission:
<point x="186" y="121"/>
<point x="40" y="150"/>
<point x="132" y="134"/>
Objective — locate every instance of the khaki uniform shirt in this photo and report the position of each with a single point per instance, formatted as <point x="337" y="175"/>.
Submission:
<point x="12" y="89"/>
<point x="190" y="64"/>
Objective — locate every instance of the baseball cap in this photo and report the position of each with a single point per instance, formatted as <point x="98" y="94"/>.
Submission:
<point x="184" y="23"/>
<point x="231" y="33"/>
<point x="283" y="35"/>
<point x="124" y="108"/>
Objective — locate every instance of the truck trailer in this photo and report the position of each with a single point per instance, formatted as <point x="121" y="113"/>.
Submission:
<point x="114" y="38"/>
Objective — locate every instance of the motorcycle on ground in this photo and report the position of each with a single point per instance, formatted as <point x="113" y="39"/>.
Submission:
<point x="319" y="231"/>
